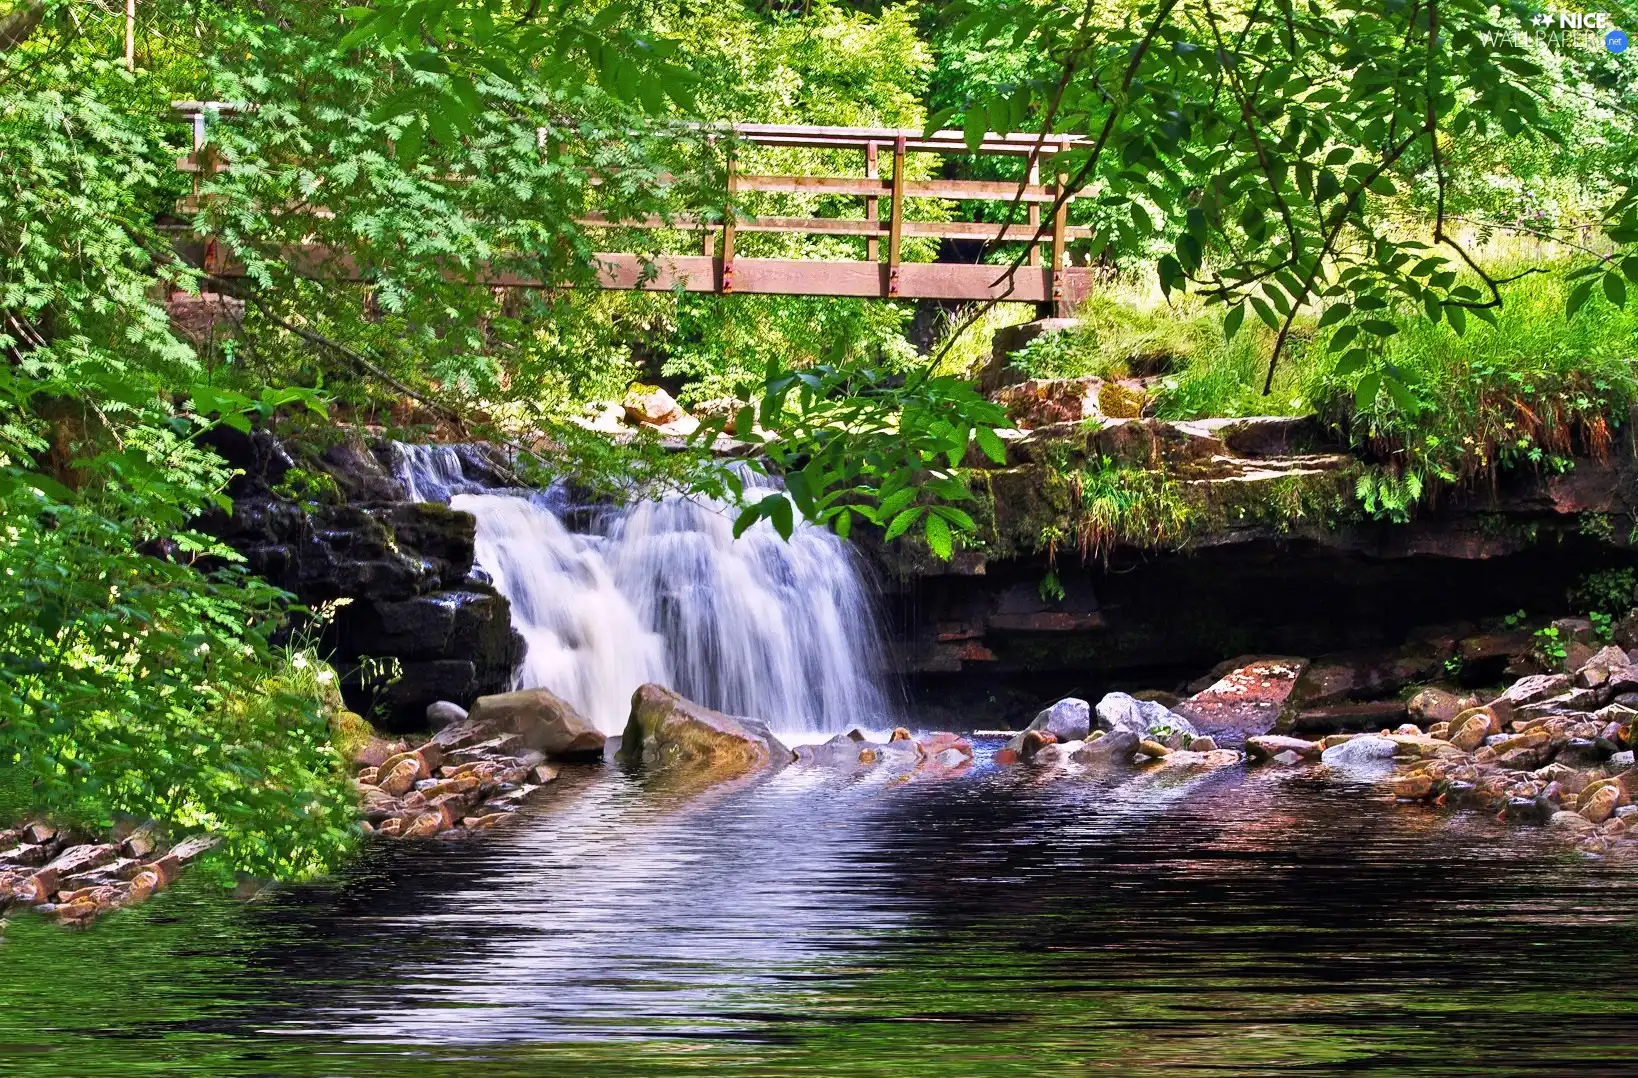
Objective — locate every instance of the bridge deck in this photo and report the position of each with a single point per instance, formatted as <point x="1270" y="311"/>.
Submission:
<point x="1044" y="275"/>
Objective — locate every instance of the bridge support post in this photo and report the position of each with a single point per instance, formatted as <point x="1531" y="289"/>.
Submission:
<point x="1034" y="213"/>
<point x="727" y="284"/>
<point x="1060" y="220"/>
<point x="873" y="245"/>
<point x="895" y="224"/>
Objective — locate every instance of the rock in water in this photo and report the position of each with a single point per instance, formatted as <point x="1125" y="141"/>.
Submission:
<point x="1069" y="719"/>
<point x="1272" y="747"/>
<point x="1360" y="752"/>
<point x="1247" y="699"/>
<point x="668" y="730"/>
<point x="1115" y="747"/>
<point x="650" y="405"/>
<point x="442" y="713"/>
<point x="1118" y="711"/>
<point x="542" y="722"/>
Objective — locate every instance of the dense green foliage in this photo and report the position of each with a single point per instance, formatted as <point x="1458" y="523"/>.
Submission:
<point x="133" y="678"/>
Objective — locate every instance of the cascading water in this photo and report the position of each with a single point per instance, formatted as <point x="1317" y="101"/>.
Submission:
<point x="661" y="591"/>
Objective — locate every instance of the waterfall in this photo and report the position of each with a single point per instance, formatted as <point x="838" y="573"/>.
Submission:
<point x="661" y="591"/>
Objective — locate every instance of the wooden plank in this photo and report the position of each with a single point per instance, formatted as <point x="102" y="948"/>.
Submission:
<point x="981" y="190"/>
<point x="951" y="142"/>
<point x="765" y="276"/>
<point x="728" y="230"/>
<point x="843" y="226"/>
<point x="786" y="276"/>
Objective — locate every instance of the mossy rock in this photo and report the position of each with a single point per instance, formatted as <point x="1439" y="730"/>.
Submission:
<point x="669" y="731"/>
<point x="1118" y="401"/>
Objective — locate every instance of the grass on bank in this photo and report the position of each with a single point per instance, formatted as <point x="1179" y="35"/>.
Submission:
<point x="1532" y="389"/>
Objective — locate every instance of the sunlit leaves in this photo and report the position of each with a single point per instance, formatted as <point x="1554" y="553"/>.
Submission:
<point x="853" y="444"/>
<point x="564" y="46"/>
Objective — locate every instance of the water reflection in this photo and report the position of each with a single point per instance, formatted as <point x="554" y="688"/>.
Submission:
<point x="1232" y="923"/>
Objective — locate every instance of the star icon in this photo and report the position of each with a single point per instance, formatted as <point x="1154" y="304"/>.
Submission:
<point x="1543" y="19"/>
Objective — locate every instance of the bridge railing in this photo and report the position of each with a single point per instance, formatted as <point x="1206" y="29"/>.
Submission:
<point x="1044" y="277"/>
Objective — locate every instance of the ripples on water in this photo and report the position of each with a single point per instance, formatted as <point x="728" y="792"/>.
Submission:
<point x="1235" y="924"/>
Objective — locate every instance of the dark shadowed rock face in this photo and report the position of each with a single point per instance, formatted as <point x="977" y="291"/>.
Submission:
<point x="404" y="569"/>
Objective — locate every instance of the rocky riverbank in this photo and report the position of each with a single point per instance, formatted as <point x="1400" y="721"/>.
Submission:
<point x="76" y="878"/>
<point x="1552" y="749"/>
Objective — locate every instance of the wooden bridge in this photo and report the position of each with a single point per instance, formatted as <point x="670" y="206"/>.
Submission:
<point x="1044" y="276"/>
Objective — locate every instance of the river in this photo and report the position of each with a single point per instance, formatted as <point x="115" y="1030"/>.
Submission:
<point x="998" y="923"/>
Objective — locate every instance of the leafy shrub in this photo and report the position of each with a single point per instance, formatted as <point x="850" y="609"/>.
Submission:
<point x="1610" y="592"/>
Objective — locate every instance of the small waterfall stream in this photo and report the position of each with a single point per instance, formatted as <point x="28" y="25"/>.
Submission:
<point x="661" y="591"/>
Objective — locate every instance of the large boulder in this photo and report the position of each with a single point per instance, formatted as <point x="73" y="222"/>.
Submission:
<point x="1069" y="719"/>
<point x="669" y="730"/>
<point x="650" y="405"/>
<point x="539" y="719"/>
<point x="1246" y="700"/>
<point x="1120" y="711"/>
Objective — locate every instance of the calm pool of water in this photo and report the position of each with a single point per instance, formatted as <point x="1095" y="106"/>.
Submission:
<point x="1235" y="924"/>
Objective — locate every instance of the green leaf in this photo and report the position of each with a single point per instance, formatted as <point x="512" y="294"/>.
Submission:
<point x="467" y="93"/>
<point x="1380" y="327"/>
<point x="409" y="144"/>
<point x="991" y="445"/>
<point x="1403" y="397"/>
<point x="1189" y="251"/>
<point x="1351" y="362"/>
<point x="1232" y="321"/>
<point x="958" y="518"/>
<point x="895" y="504"/>
<point x="975" y="126"/>
<point x="902" y="522"/>
<point x="1170" y="273"/>
<point x="1615" y="289"/>
<point x="1578" y="297"/>
<point x="937" y="120"/>
<point x="747" y="517"/>
<point x="1365" y="394"/>
<point x="779" y="514"/>
<point x="1430" y="304"/>
<point x="938" y="537"/>
<point x="1335" y="313"/>
<point x="1266" y="313"/>
<point x="1457" y="317"/>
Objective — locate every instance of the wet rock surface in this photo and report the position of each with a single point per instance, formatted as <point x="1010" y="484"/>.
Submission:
<point x="667" y="730"/>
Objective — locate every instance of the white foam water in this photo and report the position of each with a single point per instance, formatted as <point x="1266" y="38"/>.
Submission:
<point x="661" y="591"/>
